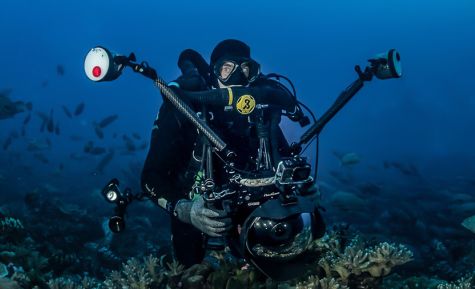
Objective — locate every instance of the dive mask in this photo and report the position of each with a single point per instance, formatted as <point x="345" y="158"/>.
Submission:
<point x="236" y="71"/>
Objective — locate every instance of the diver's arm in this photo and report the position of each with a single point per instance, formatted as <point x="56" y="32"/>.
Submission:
<point x="159" y="176"/>
<point x="160" y="169"/>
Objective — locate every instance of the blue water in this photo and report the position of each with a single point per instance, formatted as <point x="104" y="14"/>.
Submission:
<point x="426" y="118"/>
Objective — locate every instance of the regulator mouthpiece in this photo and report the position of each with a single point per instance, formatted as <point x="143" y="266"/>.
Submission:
<point x="102" y="65"/>
<point x="387" y="65"/>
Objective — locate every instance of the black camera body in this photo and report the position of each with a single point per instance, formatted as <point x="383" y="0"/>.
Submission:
<point x="241" y="195"/>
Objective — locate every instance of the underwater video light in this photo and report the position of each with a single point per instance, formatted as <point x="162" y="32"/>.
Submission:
<point x="111" y="191"/>
<point x="387" y="65"/>
<point x="112" y="194"/>
<point x="102" y="65"/>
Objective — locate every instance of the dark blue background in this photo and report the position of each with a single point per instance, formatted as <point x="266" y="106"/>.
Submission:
<point x="426" y="118"/>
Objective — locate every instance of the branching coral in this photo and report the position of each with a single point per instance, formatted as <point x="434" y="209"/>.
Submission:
<point x="63" y="283"/>
<point x="314" y="282"/>
<point x="8" y="284"/>
<point x="10" y="225"/>
<point x="175" y="268"/>
<point x="152" y="264"/>
<point x="463" y="283"/>
<point x="385" y="256"/>
<point x="133" y="275"/>
<point x="136" y="275"/>
<point x="355" y="263"/>
<point x="3" y="270"/>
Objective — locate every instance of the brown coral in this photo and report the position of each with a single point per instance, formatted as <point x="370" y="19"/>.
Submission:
<point x="385" y="256"/>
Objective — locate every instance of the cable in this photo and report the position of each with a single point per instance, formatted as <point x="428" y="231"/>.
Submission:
<point x="308" y="109"/>
<point x="317" y="148"/>
<point x="278" y="76"/>
<point x="233" y="167"/>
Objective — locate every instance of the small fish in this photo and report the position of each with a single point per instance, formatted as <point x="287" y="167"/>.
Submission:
<point x="348" y="159"/>
<point x="44" y="83"/>
<point x="9" y="108"/>
<point x="35" y="145"/>
<point x="79" y="109"/>
<point x="50" y="123"/>
<point x="60" y="70"/>
<point x="7" y="143"/>
<point x="44" y="117"/>
<point x="129" y="144"/>
<point x="76" y="138"/>
<point x="136" y="136"/>
<point x="97" y="151"/>
<point x="41" y="157"/>
<point x="108" y="120"/>
<point x="77" y="157"/>
<point x="88" y="146"/>
<point x="408" y="170"/>
<point x="98" y="131"/>
<point x="67" y="112"/>
<point x="27" y="119"/>
<point x="43" y="126"/>
<point x="23" y="131"/>
<point x="56" y="129"/>
<point x="104" y="162"/>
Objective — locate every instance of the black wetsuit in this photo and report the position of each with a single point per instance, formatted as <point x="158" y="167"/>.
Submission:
<point x="167" y="176"/>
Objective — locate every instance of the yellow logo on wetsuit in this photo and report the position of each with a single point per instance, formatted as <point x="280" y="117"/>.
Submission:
<point x="245" y="104"/>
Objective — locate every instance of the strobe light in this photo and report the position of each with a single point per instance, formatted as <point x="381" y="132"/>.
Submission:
<point x="387" y="65"/>
<point x="102" y="65"/>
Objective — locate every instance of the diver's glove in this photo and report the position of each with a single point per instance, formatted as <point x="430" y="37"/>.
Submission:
<point x="211" y="222"/>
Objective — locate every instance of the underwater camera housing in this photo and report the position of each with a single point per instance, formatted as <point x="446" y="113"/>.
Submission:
<point x="275" y="217"/>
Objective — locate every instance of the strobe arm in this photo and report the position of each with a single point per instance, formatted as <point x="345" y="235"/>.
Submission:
<point x="340" y="102"/>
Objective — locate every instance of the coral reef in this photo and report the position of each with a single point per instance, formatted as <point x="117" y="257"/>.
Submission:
<point x="316" y="283"/>
<point x="357" y="264"/>
<point x="9" y="225"/>
<point x="136" y="275"/>
<point x="469" y="223"/>
<point x="463" y="283"/>
<point x="342" y="259"/>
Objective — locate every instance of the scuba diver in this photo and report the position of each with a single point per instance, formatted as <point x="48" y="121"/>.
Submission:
<point x="174" y="165"/>
<point x="219" y="162"/>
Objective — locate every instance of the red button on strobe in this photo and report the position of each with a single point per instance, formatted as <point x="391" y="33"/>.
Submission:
<point x="96" y="71"/>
